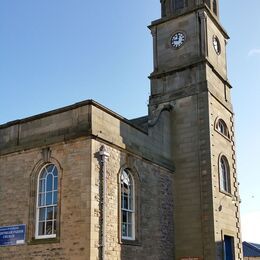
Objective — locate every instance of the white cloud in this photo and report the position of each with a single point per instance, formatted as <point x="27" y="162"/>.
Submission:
<point x="254" y="52"/>
<point x="251" y="227"/>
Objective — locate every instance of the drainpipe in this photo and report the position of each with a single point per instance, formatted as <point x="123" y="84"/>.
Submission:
<point x="104" y="156"/>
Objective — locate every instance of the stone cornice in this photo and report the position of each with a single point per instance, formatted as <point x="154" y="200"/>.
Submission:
<point x="201" y="7"/>
<point x="88" y="102"/>
<point x="195" y="63"/>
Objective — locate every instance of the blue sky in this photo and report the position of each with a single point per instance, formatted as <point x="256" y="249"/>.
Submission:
<point x="242" y="21"/>
<point x="55" y="53"/>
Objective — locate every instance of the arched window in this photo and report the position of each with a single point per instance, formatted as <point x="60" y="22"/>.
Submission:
<point x="163" y="8"/>
<point x="222" y="128"/>
<point x="178" y="4"/>
<point x="215" y="7"/>
<point x="224" y="178"/>
<point x="208" y="3"/>
<point x="46" y="208"/>
<point x="127" y="205"/>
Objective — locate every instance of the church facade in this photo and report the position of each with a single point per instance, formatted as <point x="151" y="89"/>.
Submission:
<point x="82" y="182"/>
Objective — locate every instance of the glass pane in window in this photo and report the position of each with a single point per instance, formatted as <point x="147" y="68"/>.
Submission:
<point x="41" y="199"/>
<point x="41" y="228"/>
<point x="222" y="167"/>
<point x="55" y="172"/>
<point x="124" y="216"/>
<point x="48" y="227"/>
<point x="131" y="203"/>
<point x="221" y="183"/>
<point x="125" y="178"/>
<point x="50" y="168"/>
<point x="42" y="185"/>
<point x="225" y="183"/>
<point x="125" y="202"/>
<point x="223" y="175"/>
<point x="55" y="183"/>
<point x="122" y="202"/>
<point x="43" y="174"/>
<point x="130" y="232"/>
<point x="54" y="227"/>
<point x="130" y="188"/>
<point x="129" y="217"/>
<point x="49" y="198"/>
<point x="49" y="213"/>
<point x="49" y="182"/>
<point x="225" y="187"/>
<point x="42" y="214"/>
<point x="125" y="190"/>
<point x="55" y="212"/>
<point x="221" y="127"/>
<point x="55" y="197"/>
<point x="124" y="230"/>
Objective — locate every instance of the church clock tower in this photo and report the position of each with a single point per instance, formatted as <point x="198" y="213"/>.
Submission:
<point x="190" y="75"/>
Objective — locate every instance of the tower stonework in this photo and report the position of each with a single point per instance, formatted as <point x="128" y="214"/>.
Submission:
<point x="190" y="74"/>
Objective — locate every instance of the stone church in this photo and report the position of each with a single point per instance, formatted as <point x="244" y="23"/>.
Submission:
<point x="82" y="182"/>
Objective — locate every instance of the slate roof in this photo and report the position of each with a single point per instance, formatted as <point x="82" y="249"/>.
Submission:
<point x="141" y="122"/>
<point x="251" y="249"/>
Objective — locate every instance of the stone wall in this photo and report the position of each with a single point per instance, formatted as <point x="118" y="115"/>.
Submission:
<point x="42" y="130"/>
<point x="154" y="208"/>
<point x="16" y="173"/>
<point x="78" y="161"/>
<point x="226" y="206"/>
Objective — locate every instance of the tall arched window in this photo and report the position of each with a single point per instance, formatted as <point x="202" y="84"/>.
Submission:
<point x="224" y="178"/>
<point x="127" y="206"/>
<point x="46" y="208"/>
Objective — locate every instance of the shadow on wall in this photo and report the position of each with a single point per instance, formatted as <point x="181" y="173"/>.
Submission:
<point x="145" y="199"/>
<point x="139" y="192"/>
<point x="226" y="248"/>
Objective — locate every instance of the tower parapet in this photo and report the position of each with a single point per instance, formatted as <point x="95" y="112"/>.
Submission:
<point x="177" y="7"/>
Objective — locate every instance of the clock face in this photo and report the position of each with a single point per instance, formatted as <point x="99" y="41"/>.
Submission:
<point x="178" y="39"/>
<point x="216" y="45"/>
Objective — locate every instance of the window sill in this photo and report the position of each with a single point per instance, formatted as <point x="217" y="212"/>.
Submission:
<point x="226" y="193"/>
<point x="39" y="241"/>
<point x="130" y="242"/>
<point x="226" y="137"/>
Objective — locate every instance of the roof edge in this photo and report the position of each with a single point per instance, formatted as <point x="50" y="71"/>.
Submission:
<point x="67" y="108"/>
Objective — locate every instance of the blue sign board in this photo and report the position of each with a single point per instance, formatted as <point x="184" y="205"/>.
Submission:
<point x="12" y="235"/>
